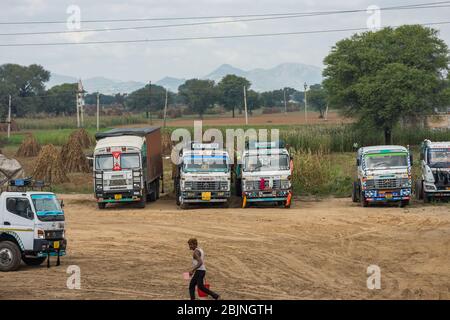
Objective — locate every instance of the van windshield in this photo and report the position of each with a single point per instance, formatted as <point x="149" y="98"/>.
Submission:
<point x="47" y="207"/>
<point x="386" y="160"/>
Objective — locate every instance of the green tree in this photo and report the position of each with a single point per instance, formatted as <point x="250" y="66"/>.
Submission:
<point x="317" y="98"/>
<point x="380" y="77"/>
<point x="25" y="84"/>
<point x="231" y="91"/>
<point x="61" y="99"/>
<point x="199" y="95"/>
<point x="142" y="99"/>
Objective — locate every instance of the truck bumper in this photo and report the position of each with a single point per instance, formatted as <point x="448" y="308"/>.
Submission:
<point x="119" y="196"/>
<point x="269" y="196"/>
<point x="44" y="247"/>
<point x="387" y="195"/>
<point x="196" y="196"/>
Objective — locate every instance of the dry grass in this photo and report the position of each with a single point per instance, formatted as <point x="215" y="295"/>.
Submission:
<point x="29" y="147"/>
<point x="49" y="166"/>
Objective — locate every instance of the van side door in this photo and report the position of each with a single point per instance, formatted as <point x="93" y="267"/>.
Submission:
<point x="18" y="218"/>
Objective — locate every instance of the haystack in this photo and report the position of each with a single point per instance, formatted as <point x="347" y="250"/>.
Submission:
<point x="82" y="136"/>
<point x="49" y="166"/>
<point x="73" y="157"/>
<point x="29" y="147"/>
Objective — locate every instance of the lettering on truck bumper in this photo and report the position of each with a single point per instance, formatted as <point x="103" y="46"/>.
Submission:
<point x="387" y="195"/>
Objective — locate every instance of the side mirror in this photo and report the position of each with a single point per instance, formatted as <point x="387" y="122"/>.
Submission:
<point x="358" y="163"/>
<point x="29" y="213"/>
<point x="61" y="203"/>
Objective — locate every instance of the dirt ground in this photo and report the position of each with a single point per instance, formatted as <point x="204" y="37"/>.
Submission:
<point x="315" y="250"/>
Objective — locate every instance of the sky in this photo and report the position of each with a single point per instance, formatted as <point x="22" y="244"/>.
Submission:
<point x="152" y="61"/>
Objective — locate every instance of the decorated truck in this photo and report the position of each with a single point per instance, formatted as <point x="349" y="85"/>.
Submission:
<point x="127" y="166"/>
<point x="434" y="180"/>
<point x="264" y="174"/>
<point x="31" y="226"/>
<point x="203" y="175"/>
<point x="383" y="175"/>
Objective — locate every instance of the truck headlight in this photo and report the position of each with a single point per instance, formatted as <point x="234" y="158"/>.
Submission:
<point x="285" y="184"/>
<point x="40" y="234"/>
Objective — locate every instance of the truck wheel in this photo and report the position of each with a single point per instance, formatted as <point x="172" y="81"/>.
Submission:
<point x="157" y="189"/>
<point x="404" y="203"/>
<point x="183" y="206"/>
<point x="355" y="192"/>
<point x="419" y="190"/>
<point x="10" y="256"/>
<point x="426" y="197"/>
<point x="141" y="203"/>
<point x="101" y="205"/>
<point x="226" y="204"/>
<point x="363" y="200"/>
<point x="238" y="187"/>
<point x="152" y="194"/>
<point x="34" y="261"/>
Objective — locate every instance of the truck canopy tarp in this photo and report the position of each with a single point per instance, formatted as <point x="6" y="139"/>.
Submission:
<point x="9" y="169"/>
<point x="141" y="132"/>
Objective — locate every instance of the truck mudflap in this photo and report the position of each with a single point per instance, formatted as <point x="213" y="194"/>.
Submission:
<point x="387" y="195"/>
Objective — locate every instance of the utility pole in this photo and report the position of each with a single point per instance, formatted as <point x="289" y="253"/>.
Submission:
<point x="245" y="105"/>
<point x="98" y="111"/>
<point x="285" y="103"/>
<point x="326" y="112"/>
<point x="9" y="117"/>
<point x="306" y="103"/>
<point x="150" y="99"/>
<point x="78" y="110"/>
<point x="80" y="105"/>
<point x="165" y="109"/>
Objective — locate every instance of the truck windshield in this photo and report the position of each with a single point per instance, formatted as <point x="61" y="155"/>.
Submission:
<point x="266" y="162"/>
<point x="205" y="164"/>
<point x="129" y="160"/>
<point x="439" y="158"/>
<point x="47" y="207"/>
<point x="104" y="162"/>
<point x="386" y="160"/>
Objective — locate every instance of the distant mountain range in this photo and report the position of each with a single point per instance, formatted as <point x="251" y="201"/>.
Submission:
<point x="284" y="75"/>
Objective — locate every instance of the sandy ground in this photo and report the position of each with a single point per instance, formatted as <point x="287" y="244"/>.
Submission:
<point x="315" y="250"/>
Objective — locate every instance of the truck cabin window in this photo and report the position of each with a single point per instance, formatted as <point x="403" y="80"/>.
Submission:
<point x="47" y="208"/>
<point x="439" y="158"/>
<point x="129" y="161"/>
<point x="266" y="162"/>
<point x="104" y="162"/>
<point x="205" y="164"/>
<point x="386" y="160"/>
<point x="20" y="207"/>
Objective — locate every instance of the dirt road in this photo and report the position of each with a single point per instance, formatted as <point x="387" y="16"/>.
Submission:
<point x="315" y="250"/>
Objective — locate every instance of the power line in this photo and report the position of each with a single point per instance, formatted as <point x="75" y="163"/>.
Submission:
<point x="211" y="17"/>
<point x="206" y="37"/>
<point x="277" y="17"/>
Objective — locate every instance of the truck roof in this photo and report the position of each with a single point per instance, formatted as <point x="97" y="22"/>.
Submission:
<point x="442" y="144"/>
<point x="19" y="193"/>
<point x="117" y="132"/>
<point x="390" y="148"/>
<point x="120" y="141"/>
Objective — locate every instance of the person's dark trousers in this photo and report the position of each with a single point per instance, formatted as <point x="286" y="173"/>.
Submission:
<point x="198" y="280"/>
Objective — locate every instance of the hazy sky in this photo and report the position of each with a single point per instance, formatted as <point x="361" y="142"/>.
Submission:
<point x="186" y="59"/>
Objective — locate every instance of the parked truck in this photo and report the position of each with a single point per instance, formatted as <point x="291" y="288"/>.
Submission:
<point x="31" y="226"/>
<point x="203" y="175"/>
<point x="264" y="174"/>
<point x="127" y="166"/>
<point x="383" y="175"/>
<point x="434" y="181"/>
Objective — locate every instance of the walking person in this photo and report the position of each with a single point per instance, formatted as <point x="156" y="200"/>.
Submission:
<point x="198" y="271"/>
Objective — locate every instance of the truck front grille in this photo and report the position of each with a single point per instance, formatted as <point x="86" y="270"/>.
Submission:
<point x="118" y="182"/>
<point x="256" y="185"/>
<point x="206" y="185"/>
<point x="53" y="234"/>
<point x="386" y="183"/>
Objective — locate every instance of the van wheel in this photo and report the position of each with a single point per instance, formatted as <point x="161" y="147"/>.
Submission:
<point x="33" y="261"/>
<point x="101" y="205"/>
<point x="10" y="256"/>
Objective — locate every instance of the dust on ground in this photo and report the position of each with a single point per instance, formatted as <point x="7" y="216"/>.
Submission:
<point x="314" y="250"/>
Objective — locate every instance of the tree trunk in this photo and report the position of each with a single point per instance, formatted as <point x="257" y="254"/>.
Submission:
<point x="387" y="136"/>
<point x="233" y="112"/>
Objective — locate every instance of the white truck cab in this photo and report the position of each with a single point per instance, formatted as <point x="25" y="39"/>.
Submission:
<point x="265" y="174"/>
<point x="31" y="228"/>
<point x="383" y="175"/>
<point x="434" y="180"/>
<point x="203" y="176"/>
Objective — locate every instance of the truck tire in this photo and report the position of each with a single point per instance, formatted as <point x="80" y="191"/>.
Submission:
<point x="141" y="203"/>
<point x="238" y="187"/>
<point x="10" y="256"/>
<point x="101" y="205"/>
<point x="363" y="200"/>
<point x="404" y="203"/>
<point x="426" y="197"/>
<point x="157" y="189"/>
<point x="152" y="194"/>
<point x="355" y="192"/>
<point x="33" y="261"/>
